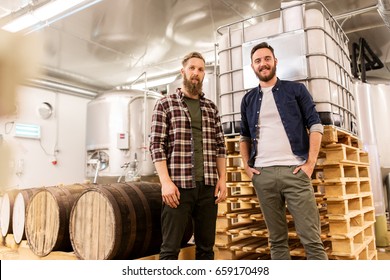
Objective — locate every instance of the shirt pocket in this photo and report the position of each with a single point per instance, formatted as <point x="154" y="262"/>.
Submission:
<point x="293" y="109"/>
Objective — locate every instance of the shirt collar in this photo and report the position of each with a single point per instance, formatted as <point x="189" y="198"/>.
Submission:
<point x="181" y="94"/>
<point x="274" y="87"/>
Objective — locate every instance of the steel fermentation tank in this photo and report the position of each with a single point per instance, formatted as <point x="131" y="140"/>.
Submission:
<point x="118" y="127"/>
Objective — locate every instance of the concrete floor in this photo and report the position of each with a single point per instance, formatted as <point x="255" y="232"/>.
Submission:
<point x="383" y="253"/>
<point x="23" y="252"/>
<point x="11" y="251"/>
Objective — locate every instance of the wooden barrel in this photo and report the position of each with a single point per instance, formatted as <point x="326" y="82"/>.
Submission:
<point x="47" y="218"/>
<point x="7" y="206"/>
<point x="19" y="213"/>
<point x="118" y="221"/>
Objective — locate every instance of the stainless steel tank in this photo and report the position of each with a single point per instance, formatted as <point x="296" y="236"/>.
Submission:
<point x="118" y="127"/>
<point x="369" y="135"/>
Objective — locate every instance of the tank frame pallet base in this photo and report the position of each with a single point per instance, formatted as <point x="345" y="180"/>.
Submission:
<point x="336" y="135"/>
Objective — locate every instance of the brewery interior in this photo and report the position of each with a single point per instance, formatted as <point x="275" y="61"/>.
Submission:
<point x="78" y="83"/>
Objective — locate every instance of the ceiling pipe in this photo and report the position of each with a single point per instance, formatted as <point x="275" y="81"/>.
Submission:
<point x="64" y="88"/>
<point x="384" y="11"/>
<point x="355" y="12"/>
<point x="66" y="77"/>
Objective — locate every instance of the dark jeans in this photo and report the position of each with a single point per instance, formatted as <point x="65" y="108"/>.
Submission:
<point x="198" y="205"/>
<point x="277" y="185"/>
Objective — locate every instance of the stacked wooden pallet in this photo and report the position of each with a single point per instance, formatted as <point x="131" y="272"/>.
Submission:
<point x="344" y="199"/>
<point x="348" y="195"/>
<point x="241" y="231"/>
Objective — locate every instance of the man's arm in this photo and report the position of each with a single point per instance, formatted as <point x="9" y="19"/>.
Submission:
<point x="169" y="191"/>
<point x="314" y="149"/>
<point x="220" y="189"/>
<point x="245" y="149"/>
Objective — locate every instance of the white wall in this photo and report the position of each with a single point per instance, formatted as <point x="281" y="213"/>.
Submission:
<point x="64" y="130"/>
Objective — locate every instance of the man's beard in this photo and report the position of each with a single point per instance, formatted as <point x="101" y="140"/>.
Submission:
<point x="266" y="78"/>
<point x="194" y="89"/>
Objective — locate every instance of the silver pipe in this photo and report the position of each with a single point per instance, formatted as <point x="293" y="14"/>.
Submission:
<point x="144" y="96"/>
<point x="356" y="12"/>
<point x="62" y="88"/>
<point x="384" y="11"/>
<point x="97" y="171"/>
<point x="61" y="76"/>
<point x="142" y="74"/>
<point x="367" y="27"/>
<point x="144" y="124"/>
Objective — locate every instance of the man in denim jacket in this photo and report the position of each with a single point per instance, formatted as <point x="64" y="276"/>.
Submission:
<point x="281" y="136"/>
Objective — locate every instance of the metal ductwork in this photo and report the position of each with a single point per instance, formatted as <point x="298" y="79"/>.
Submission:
<point x="64" y="88"/>
<point x="384" y="11"/>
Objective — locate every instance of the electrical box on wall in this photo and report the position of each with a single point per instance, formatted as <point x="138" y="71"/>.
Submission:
<point x="27" y="130"/>
<point x="123" y="141"/>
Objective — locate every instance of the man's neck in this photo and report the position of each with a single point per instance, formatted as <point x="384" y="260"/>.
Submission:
<point x="270" y="83"/>
<point x="188" y="95"/>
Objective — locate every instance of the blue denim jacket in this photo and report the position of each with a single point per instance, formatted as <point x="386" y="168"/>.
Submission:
<point x="297" y="111"/>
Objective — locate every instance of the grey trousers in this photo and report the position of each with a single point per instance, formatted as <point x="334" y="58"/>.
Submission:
<point x="277" y="186"/>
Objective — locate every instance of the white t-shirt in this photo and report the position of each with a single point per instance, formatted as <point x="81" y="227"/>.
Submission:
<point x="273" y="146"/>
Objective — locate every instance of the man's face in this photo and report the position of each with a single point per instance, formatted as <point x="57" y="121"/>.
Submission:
<point x="193" y="75"/>
<point x="264" y="64"/>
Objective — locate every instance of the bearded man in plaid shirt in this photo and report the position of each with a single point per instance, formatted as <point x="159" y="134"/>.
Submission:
<point x="188" y="150"/>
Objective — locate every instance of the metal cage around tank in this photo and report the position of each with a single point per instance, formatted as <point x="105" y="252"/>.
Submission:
<point x="311" y="48"/>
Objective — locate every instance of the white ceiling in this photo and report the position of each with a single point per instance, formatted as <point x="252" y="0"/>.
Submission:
<point x="113" y="42"/>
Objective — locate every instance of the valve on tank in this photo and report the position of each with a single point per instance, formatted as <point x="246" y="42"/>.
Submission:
<point x="99" y="160"/>
<point x="130" y="170"/>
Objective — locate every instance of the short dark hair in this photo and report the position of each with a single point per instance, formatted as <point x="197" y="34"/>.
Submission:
<point x="192" y="55"/>
<point x="263" y="45"/>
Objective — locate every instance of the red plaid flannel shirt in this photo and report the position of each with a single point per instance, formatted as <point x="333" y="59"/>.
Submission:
<point x="171" y="139"/>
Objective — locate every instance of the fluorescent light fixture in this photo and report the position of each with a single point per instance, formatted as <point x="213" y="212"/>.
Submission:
<point x="42" y="14"/>
<point x="21" y="23"/>
<point x="27" y="130"/>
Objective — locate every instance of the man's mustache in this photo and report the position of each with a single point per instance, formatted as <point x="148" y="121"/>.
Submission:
<point x="264" y="67"/>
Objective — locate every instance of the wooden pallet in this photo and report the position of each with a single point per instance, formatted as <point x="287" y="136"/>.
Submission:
<point x="236" y="174"/>
<point x="346" y="189"/>
<point x="227" y="254"/>
<point x="333" y="135"/>
<point x="341" y="182"/>
<point x="240" y="188"/>
<point x="232" y="206"/>
<point x="232" y="145"/>
<point x="343" y="172"/>
<point x="358" y="245"/>
<point x="234" y="160"/>
<point x="341" y="153"/>
<point x="346" y="207"/>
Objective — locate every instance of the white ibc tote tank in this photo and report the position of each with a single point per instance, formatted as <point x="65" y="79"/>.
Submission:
<point x="311" y="49"/>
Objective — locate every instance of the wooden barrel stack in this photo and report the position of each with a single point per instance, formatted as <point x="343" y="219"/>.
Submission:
<point x="96" y="221"/>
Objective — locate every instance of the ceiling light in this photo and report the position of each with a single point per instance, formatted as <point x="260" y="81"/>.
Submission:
<point x="21" y="23"/>
<point x="43" y="14"/>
